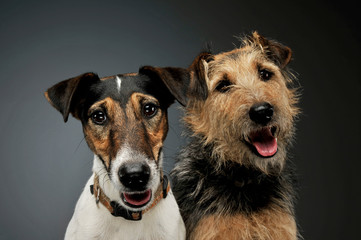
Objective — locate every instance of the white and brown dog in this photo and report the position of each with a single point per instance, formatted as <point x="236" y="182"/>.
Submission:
<point x="124" y="119"/>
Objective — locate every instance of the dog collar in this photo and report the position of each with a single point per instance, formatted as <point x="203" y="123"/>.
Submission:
<point x="117" y="210"/>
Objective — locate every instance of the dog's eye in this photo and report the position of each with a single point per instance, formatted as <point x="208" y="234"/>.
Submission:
<point x="98" y="117"/>
<point x="150" y="109"/>
<point x="265" y="74"/>
<point x="223" y="86"/>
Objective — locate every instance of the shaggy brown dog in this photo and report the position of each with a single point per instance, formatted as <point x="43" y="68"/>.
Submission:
<point x="232" y="181"/>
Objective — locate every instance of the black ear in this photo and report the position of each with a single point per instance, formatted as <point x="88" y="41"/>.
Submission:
<point x="65" y="96"/>
<point x="175" y="79"/>
<point x="275" y="51"/>
<point x="183" y="84"/>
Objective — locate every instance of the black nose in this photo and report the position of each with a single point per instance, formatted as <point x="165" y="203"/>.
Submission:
<point x="134" y="175"/>
<point x="261" y="113"/>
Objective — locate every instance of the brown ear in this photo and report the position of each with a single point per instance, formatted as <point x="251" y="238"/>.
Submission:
<point x="198" y="87"/>
<point x="175" y="79"/>
<point x="65" y="95"/>
<point x="275" y="51"/>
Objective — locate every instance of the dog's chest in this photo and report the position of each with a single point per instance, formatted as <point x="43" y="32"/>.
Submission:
<point x="95" y="222"/>
<point x="124" y="229"/>
<point x="102" y="225"/>
<point x="155" y="225"/>
<point x="268" y="224"/>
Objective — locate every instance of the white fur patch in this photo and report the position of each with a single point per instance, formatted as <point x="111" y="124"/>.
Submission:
<point x="119" y="82"/>
<point x="127" y="154"/>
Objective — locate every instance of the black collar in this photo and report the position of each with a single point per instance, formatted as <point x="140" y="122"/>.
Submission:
<point x="117" y="210"/>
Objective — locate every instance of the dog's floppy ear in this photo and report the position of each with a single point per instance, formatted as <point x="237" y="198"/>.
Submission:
<point x="275" y="51"/>
<point x="175" y="79"/>
<point x="198" y="87"/>
<point x="66" y="95"/>
<point x="184" y="84"/>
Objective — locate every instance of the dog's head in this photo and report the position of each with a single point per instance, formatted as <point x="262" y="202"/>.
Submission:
<point x="124" y="119"/>
<point x="241" y="103"/>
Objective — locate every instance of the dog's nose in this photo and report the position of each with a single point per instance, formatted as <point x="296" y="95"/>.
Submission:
<point x="134" y="175"/>
<point x="261" y="113"/>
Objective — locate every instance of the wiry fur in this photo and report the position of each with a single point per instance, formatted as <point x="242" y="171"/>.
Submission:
<point x="203" y="188"/>
<point x="218" y="179"/>
<point x="222" y="118"/>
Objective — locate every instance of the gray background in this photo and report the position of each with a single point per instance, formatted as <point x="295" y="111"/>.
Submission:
<point x="45" y="162"/>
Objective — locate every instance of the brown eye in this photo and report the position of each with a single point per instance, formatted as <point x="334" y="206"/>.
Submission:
<point x="265" y="74"/>
<point x="98" y="117"/>
<point x="223" y="86"/>
<point x="150" y="109"/>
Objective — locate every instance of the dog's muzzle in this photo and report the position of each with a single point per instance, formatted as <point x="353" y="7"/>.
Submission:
<point x="135" y="177"/>
<point x="117" y="210"/>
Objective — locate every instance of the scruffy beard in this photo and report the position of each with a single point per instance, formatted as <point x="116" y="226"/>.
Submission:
<point x="241" y="147"/>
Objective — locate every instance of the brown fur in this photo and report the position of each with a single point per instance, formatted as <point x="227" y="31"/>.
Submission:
<point x="156" y="128"/>
<point x="106" y="142"/>
<point x="268" y="224"/>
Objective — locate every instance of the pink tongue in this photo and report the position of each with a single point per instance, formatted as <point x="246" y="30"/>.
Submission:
<point x="265" y="143"/>
<point x="138" y="199"/>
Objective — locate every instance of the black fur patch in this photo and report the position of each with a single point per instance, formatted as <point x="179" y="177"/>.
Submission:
<point x="202" y="189"/>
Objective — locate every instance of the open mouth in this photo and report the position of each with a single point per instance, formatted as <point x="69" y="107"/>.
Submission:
<point x="137" y="200"/>
<point x="263" y="142"/>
